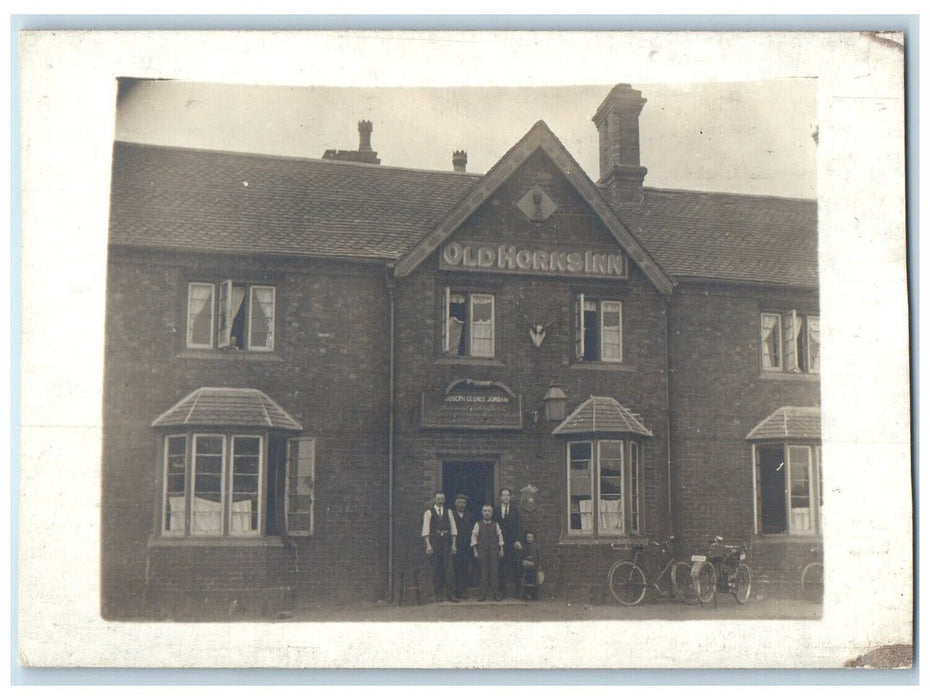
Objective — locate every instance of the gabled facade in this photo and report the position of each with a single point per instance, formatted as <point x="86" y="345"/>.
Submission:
<point x="300" y="352"/>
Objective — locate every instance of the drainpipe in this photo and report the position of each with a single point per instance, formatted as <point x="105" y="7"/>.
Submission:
<point x="391" y="284"/>
<point x="668" y="421"/>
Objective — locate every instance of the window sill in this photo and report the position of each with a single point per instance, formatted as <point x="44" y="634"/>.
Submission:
<point x="620" y="541"/>
<point x="158" y="542"/>
<point x="469" y="361"/>
<point x="791" y="376"/>
<point x="602" y="366"/>
<point x="231" y="355"/>
<point x="779" y="537"/>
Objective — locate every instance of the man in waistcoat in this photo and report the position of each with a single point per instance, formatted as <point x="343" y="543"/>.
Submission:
<point x="464" y="522"/>
<point x="439" y="535"/>
<point x="508" y="517"/>
<point x="487" y="542"/>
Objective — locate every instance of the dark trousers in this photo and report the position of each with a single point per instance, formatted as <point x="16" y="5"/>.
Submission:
<point x="461" y="564"/>
<point x="443" y="574"/>
<point x="510" y="569"/>
<point x="488" y="562"/>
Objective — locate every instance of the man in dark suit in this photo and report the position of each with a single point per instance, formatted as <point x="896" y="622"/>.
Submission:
<point x="508" y="517"/>
<point x="464" y="523"/>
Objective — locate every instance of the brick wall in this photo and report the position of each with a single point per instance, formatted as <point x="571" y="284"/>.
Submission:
<point x="328" y="370"/>
<point x="719" y="394"/>
<point x="531" y="455"/>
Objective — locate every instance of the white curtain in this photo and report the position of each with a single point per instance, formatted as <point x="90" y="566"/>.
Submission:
<point x="207" y="516"/>
<point x="587" y="514"/>
<point x="610" y="514"/>
<point x="176" y="514"/>
<point x="813" y="343"/>
<point x="241" y="517"/>
<point x="770" y="341"/>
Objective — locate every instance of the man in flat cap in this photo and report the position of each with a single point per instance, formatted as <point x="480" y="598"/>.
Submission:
<point x="464" y="522"/>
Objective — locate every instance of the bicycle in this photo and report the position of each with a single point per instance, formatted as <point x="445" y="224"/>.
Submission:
<point x="812" y="578"/>
<point x="723" y="569"/>
<point x="627" y="579"/>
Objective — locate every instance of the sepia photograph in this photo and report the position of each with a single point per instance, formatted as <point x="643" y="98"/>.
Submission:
<point x="541" y="353"/>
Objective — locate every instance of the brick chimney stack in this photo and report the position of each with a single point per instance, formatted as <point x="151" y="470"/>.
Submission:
<point x="364" y="135"/>
<point x="617" y="121"/>
<point x="459" y="160"/>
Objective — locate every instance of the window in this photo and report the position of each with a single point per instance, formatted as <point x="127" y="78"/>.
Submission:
<point x="598" y="330"/>
<point x="790" y="342"/>
<point x="300" y="473"/>
<point x="244" y="316"/>
<point x="788" y="489"/>
<point x="468" y="324"/>
<point x="222" y="489"/>
<point x="603" y="497"/>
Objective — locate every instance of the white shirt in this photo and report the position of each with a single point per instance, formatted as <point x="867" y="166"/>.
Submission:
<point x="446" y="514"/>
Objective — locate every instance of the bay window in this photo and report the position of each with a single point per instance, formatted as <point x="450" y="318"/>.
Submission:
<point x="603" y="487"/>
<point x="789" y="489"/>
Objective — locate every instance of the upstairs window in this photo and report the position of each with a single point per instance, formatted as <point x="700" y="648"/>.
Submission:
<point x="790" y="342"/>
<point x="598" y="330"/>
<point x="242" y="318"/>
<point x="468" y="324"/>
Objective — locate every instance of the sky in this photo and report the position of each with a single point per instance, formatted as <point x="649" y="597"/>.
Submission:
<point x="751" y="138"/>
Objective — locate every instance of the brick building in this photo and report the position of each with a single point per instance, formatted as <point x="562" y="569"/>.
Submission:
<point x="299" y="352"/>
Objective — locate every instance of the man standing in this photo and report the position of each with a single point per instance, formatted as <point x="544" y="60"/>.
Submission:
<point x="487" y="542"/>
<point x="508" y="517"/>
<point x="439" y="534"/>
<point x="464" y="522"/>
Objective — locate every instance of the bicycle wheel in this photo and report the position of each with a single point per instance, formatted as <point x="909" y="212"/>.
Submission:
<point x="743" y="583"/>
<point x="812" y="582"/>
<point x="627" y="582"/>
<point x="682" y="583"/>
<point x="705" y="583"/>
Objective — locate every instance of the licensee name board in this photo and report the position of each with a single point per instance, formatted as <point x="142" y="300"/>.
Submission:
<point x="470" y="407"/>
<point x="533" y="260"/>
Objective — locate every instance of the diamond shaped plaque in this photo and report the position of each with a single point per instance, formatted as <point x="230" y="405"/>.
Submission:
<point x="536" y="205"/>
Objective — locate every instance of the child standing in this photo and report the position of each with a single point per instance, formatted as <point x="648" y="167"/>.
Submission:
<point x="531" y="563"/>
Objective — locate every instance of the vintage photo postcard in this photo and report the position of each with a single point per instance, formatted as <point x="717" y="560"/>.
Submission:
<point x="598" y="341"/>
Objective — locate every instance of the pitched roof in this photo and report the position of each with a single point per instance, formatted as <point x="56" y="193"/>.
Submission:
<point x="734" y="237"/>
<point x="225" y="406"/>
<point x="539" y="137"/>
<point x="188" y="199"/>
<point x="789" y="422"/>
<point x="602" y="414"/>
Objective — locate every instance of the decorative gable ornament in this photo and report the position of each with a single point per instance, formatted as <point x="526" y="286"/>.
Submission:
<point x="536" y="205"/>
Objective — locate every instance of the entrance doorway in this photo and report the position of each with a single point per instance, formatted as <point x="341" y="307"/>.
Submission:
<point x="474" y="479"/>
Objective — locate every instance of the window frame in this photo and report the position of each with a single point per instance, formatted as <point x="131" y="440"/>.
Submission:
<point x="814" y="487"/>
<point x="291" y="443"/>
<point x="227" y="485"/>
<point x="221" y="294"/>
<point x="794" y="332"/>
<point x="630" y="510"/>
<point x="580" y="328"/>
<point x="446" y="326"/>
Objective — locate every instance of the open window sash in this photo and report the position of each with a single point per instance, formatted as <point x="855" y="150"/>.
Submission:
<point x="579" y="327"/>
<point x="792" y="329"/>
<point x="224" y="324"/>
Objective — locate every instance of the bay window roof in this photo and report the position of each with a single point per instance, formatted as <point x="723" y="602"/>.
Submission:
<point x="789" y="422"/>
<point x="228" y="407"/>
<point x="602" y="415"/>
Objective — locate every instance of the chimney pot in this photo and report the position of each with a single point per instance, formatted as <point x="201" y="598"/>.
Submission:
<point x="459" y="160"/>
<point x="364" y="135"/>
